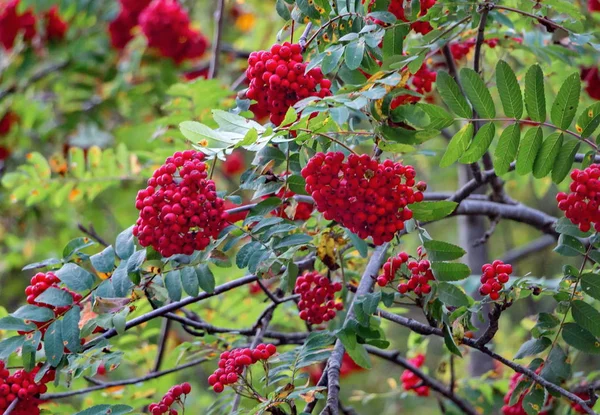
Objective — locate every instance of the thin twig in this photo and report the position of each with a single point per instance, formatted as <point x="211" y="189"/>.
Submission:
<point x="12" y="406"/>
<point x="162" y="343"/>
<point x="216" y="51"/>
<point x="303" y="38"/>
<point x="543" y="20"/>
<point x="91" y="232"/>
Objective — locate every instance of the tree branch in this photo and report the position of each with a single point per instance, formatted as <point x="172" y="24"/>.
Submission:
<point x="533" y="247"/>
<point x="162" y="343"/>
<point x="216" y="50"/>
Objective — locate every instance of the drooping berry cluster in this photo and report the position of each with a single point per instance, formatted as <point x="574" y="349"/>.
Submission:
<point x="165" y="24"/>
<point x="13" y="23"/>
<point x="582" y="205"/>
<point x="493" y="278"/>
<point x="21" y="385"/>
<point x="416" y="280"/>
<point x="179" y="209"/>
<point x="390" y="268"/>
<point x="517" y="408"/>
<point x="175" y="395"/>
<point x="278" y="80"/>
<point x="232" y="364"/>
<point x="410" y="381"/>
<point x="40" y="282"/>
<point x="421" y="82"/>
<point x="317" y="297"/>
<point x="591" y="77"/>
<point x="367" y="197"/>
<point x="460" y="49"/>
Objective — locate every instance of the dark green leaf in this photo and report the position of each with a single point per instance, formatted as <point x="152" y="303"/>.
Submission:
<point x="443" y="251"/>
<point x="189" y="281"/>
<point x="569" y="246"/>
<point x="265" y="207"/>
<point x="458" y="145"/>
<point x="452" y="295"/>
<point x="120" y="280"/>
<point x="14" y="323"/>
<point x="590" y="283"/>
<point x="354" y="54"/>
<point x="245" y="253"/>
<point x="450" y="271"/>
<point x="480" y="144"/>
<point x="42" y="264"/>
<point x="438" y="117"/>
<point x="535" y="98"/>
<point x="104" y="261"/>
<point x="282" y="10"/>
<point x="565" y="105"/>
<point x="534" y="400"/>
<point x="76" y="245"/>
<point x="533" y="346"/>
<point x="34" y="313"/>
<point x="307" y="7"/>
<point x="565" y="159"/>
<point x="293" y="240"/>
<point x="357" y="351"/>
<point x="10" y="346"/>
<point x="360" y="245"/>
<point x="432" y="210"/>
<point x="173" y="285"/>
<point x="393" y="40"/>
<point x="528" y="150"/>
<point x="581" y="339"/>
<point x="556" y="368"/>
<point x="507" y="148"/>
<point x="55" y="297"/>
<point x="509" y="90"/>
<point x="450" y="93"/>
<point x="588" y="120"/>
<point x="332" y="58"/>
<point x="547" y="155"/>
<point x="478" y="93"/>
<point x="53" y="343"/>
<point x="586" y="316"/>
<point x="449" y="342"/>
<point x="564" y="225"/>
<point x="75" y="277"/>
<point x="70" y="329"/>
<point x="136" y="260"/>
<point x="206" y="278"/>
<point x="124" y="246"/>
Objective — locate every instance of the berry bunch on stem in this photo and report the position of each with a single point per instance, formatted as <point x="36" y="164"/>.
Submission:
<point x="278" y="80"/>
<point x="368" y="197"/>
<point x="317" y="298"/>
<point x="410" y="381"/>
<point x="419" y="276"/>
<point x="493" y="278"/>
<point x="581" y="206"/>
<point x="179" y="209"/>
<point x="21" y="385"/>
<point x="517" y="408"/>
<point x="175" y="395"/>
<point x="232" y="364"/>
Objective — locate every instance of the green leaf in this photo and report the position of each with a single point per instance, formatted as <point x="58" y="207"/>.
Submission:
<point x="104" y="261"/>
<point x="264" y="207"/>
<point x="282" y="10"/>
<point x="357" y="351"/>
<point x="449" y="342"/>
<point x="14" y="323"/>
<point x="34" y="313"/>
<point x="438" y="117"/>
<point x="55" y="297"/>
<point x="450" y="271"/>
<point x="547" y="155"/>
<point x="564" y="225"/>
<point x="106" y="410"/>
<point x="478" y="93"/>
<point x="547" y="321"/>
<point x="75" y="277"/>
<point x="332" y="59"/>
<point x="452" y="96"/>
<point x="581" y="339"/>
<point x="173" y="285"/>
<point x="565" y="105"/>
<point x="509" y="90"/>
<point x="565" y="159"/>
<point x="443" y="251"/>
<point x="458" y="145"/>
<point x="432" y="210"/>
<point x="53" y="343"/>
<point x="452" y="295"/>
<point x="360" y="245"/>
<point x="189" y="281"/>
<point x="588" y="120"/>
<point x="586" y="316"/>
<point x="480" y="144"/>
<point x="206" y="279"/>
<point x="556" y="368"/>
<point x="41" y="264"/>
<point x="290" y="116"/>
<point x="532" y="347"/>
<point x="307" y="7"/>
<point x="569" y="246"/>
<point x="507" y="148"/>
<point x="124" y="246"/>
<point x="393" y="40"/>
<point x="590" y="283"/>
<point x="70" y="329"/>
<point x="136" y="260"/>
<point x="535" y="98"/>
<point x="528" y="150"/>
<point x="354" y="54"/>
<point x="533" y="401"/>
<point x="120" y="280"/>
<point x="293" y="240"/>
<point x="10" y="346"/>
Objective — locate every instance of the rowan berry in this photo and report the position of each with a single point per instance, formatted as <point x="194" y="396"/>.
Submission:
<point x="317" y="297"/>
<point x="517" y="408"/>
<point x="493" y="278"/>
<point x="581" y="206"/>
<point x="410" y="380"/>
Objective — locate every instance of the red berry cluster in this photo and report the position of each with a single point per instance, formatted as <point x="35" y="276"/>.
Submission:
<point x="517" y="408"/>
<point x="493" y="278"/>
<point x="396" y="7"/>
<point x="347" y="368"/>
<point x="232" y="364"/>
<point x="581" y="206"/>
<point x="417" y="281"/>
<point x="390" y="268"/>
<point x="591" y="77"/>
<point x="234" y="163"/>
<point x="462" y="48"/>
<point x="174" y="395"/>
<point x="40" y="282"/>
<point x="303" y="209"/>
<point x="165" y="24"/>
<point x="12" y="23"/>
<point x="583" y="395"/>
<point x="278" y="80"/>
<point x="21" y="385"/>
<point x="593" y="5"/>
<point x="367" y="197"/>
<point x="234" y="217"/>
<point x="410" y="380"/>
<point x="317" y="297"/>
<point x="179" y="209"/>
<point x="422" y="81"/>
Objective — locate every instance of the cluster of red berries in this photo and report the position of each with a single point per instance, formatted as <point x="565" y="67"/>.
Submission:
<point x="21" y="385"/>
<point x="174" y="395"/>
<point x="347" y="368"/>
<point x="234" y="163"/>
<point x="165" y="24"/>
<point x="13" y="23"/>
<point x="317" y="297"/>
<point x="232" y="364"/>
<point x="420" y="273"/>
<point x="582" y="205"/>
<point x="493" y="278"/>
<point x="303" y="209"/>
<point x="583" y="395"/>
<point x="410" y="380"/>
<point x="462" y="48"/>
<point x="422" y="82"/>
<point x="278" y="80"/>
<point x="396" y="7"/>
<point x="365" y="196"/>
<point x="517" y="408"/>
<point x="593" y="5"/>
<point x="179" y="209"/>
<point x="591" y="77"/>
<point x="40" y="282"/>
